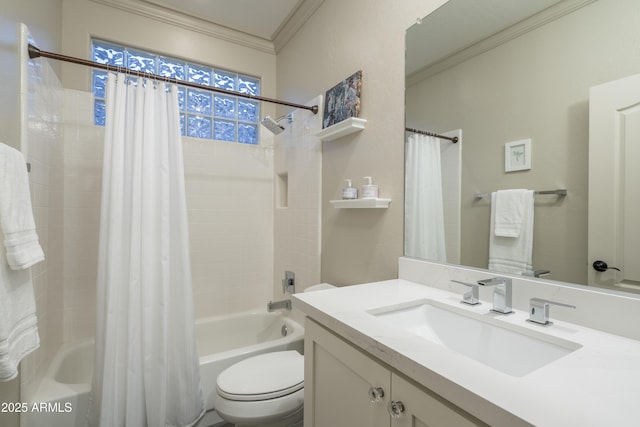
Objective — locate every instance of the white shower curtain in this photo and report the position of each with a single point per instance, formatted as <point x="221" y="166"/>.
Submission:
<point x="146" y="366"/>
<point x="424" y="211"/>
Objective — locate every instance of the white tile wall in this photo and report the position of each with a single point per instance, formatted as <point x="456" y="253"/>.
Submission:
<point x="82" y="179"/>
<point x="298" y="154"/>
<point x="229" y="201"/>
<point x="41" y="102"/>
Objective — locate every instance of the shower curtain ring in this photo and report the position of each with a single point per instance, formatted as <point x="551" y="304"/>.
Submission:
<point x="154" y="78"/>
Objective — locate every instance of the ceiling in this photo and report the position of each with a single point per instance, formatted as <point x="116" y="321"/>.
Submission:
<point x="435" y="38"/>
<point x="260" y="18"/>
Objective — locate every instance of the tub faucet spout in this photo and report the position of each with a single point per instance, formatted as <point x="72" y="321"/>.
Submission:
<point x="271" y="305"/>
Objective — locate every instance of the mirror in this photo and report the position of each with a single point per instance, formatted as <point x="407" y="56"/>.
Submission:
<point x="504" y="71"/>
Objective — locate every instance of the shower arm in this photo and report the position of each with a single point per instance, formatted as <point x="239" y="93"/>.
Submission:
<point x="34" y="52"/>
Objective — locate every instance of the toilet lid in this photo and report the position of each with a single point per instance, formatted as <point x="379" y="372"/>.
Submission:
<point x="262" y="377"/>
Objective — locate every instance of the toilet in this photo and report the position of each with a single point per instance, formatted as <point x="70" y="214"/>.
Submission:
<point x="263" y="390"/>
<point x="266" y="390"/>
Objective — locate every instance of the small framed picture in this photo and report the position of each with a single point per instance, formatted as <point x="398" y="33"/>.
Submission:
<point x="517" y="155"/>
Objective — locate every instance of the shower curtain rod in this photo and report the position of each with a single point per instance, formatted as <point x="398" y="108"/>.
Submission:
<point x="34" y="52"/>
<point x="453" y="139"/>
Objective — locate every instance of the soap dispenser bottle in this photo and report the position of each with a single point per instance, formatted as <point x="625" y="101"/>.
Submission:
<point x="349" y="192"/>
<point x="369" y="189"/>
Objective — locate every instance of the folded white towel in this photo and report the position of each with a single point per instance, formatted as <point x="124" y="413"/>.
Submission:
<point x="510" y="211"/>
<point x="16" y="215"/>
<point x="18" y="322"/>
<point x="512" y="254"/>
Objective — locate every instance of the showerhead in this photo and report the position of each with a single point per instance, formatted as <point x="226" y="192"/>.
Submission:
<point x="272" y="125"/>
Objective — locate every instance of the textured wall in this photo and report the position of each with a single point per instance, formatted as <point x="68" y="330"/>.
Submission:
<point x="358" y="245"/>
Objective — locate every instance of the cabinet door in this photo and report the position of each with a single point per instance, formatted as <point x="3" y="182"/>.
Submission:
<point x="424" y="408"/>
<point x="338" y="382"/>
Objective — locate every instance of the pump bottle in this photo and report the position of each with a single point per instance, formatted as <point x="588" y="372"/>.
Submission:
<point x="369" y="189"/>
<point x="349" y="192"/>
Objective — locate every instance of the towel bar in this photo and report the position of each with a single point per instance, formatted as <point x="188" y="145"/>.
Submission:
<point x="559" y="192"/>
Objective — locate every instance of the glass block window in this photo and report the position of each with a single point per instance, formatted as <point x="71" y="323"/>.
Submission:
<point x="203" y="114"/>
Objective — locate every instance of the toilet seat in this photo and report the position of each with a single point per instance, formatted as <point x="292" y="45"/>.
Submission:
<point x="263" y="377"/>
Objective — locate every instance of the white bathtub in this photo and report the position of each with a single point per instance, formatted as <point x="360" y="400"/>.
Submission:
<point x="222" y="341"/>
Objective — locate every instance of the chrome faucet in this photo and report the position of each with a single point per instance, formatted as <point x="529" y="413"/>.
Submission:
<point x="501" y="293"/>
<point x="536" y="273"/>
<point x="271" y="305"/>
<point x="472" y="296"/>
<point x="539" y="310"/>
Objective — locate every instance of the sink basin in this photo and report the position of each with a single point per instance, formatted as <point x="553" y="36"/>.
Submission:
<point x="513" y="350"/>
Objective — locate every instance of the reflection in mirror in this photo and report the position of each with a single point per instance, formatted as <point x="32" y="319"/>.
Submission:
<point x="511" y="74"/>
<point x="432" y="167"/>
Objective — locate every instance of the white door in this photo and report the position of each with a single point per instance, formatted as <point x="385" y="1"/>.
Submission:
<point x="614" y="182"/>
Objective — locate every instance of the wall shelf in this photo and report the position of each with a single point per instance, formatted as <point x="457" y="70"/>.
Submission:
<point x="361" y="203"/>
<point x="344" y="128"/>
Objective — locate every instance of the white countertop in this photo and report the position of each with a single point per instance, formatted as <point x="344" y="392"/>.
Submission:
<point x="596" y="385"/>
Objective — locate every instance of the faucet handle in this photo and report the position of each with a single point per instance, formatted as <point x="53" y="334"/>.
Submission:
<point x="536" y="273"/>
<point x="471" y="297"/>
<point x="539" y="310"/>
<point x="289" y="282"/>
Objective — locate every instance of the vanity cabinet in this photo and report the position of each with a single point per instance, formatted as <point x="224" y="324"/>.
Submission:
<point x="345" y="387"/>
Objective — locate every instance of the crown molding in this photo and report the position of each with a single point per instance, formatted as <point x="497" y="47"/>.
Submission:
<point x="193" y="24"/>
<point x="539" y="19"/>
<point x="294" y="21"/>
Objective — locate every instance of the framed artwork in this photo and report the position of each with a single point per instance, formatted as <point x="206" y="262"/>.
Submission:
<point x="517" y="155"/>
<point x="343" y="100"/>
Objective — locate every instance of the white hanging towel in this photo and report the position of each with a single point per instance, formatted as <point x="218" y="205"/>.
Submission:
<point x="18" y="226"/>
<point x="510" y="208"/>
<point x="21" y="250"/>
<point x="511" y="251"/>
